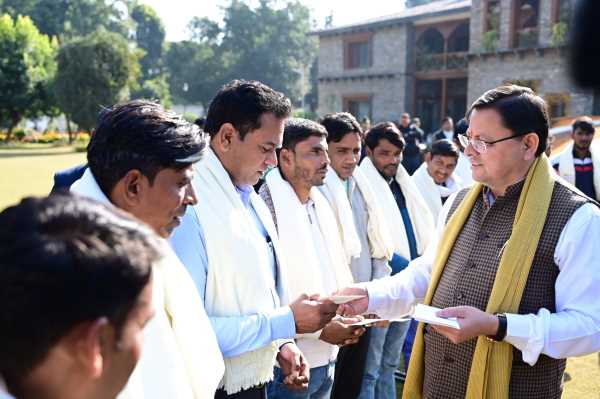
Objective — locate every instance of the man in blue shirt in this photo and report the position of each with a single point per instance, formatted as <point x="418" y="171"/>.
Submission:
<point x="223" y="241"/>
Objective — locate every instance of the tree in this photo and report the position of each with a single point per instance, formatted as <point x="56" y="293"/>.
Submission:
<point x="94" y="71"/>
<point x="26" y="71"/>
<point x="66" y="19"/>
<point x="150" y="37"/>
<point x="263" y="43"/>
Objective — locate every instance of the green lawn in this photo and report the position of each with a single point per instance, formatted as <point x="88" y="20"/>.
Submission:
<point x="25" y="172"/>
<point x="29" y="171"/>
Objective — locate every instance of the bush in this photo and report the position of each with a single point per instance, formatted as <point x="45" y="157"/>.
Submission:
<point x="19" y="134"/>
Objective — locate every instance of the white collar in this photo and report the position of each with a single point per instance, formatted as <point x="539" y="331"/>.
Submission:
<point x="88" y="187"/>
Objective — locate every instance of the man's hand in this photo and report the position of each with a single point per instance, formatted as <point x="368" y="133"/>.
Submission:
<point x="356" y="307"/>
<point x="473" y="323"/>
<point x="311" y="315"/>
<point x="294" y="366"/>
<point x="339" y="332"/>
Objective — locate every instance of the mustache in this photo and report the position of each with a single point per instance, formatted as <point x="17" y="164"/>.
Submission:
<point x="181" y="211"/>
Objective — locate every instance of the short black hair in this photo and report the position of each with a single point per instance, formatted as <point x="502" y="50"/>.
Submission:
<point x="384" y="130"/>
<point x="65" y="260"/>
<point x="242" y="103"/>
<point x="445" y="148"/>
<point x="298" y="129"/>
<point x="340" y="124"/>
<point x="521" y="110"/>
<point x="142" y="135"/>
<point x="460" y="127"/>
<point x="584" y="123"/>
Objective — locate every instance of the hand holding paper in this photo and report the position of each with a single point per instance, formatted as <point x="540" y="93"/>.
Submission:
<point x="472" y="322"/>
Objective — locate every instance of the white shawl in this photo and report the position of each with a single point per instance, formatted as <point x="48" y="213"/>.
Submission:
<point x="431" y="191"/>
<point x="174" y="361"/>
<point x="334" y="191"/>
<point x="304" y="267"/>
<point x="420" y="216"/>
<point x="380" y="243"/>
<point x="566" y="166"/>
<point x="240" y="276"/>
<point x="307" y="273"/>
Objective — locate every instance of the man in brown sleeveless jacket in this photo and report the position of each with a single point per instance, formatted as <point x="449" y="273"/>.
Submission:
<point x="515" y="263"/>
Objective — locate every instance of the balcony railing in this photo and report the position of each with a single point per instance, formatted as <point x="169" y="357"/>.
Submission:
<point x="526" y="38"/>
<point x="441" y="62"/>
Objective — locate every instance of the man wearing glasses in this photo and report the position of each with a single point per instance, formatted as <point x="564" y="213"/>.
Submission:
<point x="510" y="252"/>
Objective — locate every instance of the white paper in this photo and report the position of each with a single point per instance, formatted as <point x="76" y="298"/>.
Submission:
<point x="369" y="322"/>
<point x="427" y="314"/>
<point x="340" y="299"/>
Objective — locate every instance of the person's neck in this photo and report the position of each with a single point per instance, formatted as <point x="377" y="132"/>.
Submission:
<point x="581" y="153"/>
<point x="302" y="190"/>
<point x="226" y="165"/>
<point x="499" y="190"/>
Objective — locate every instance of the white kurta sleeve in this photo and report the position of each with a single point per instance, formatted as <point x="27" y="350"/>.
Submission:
<point x="574" y="329"/>
<point x="395" y="296"/>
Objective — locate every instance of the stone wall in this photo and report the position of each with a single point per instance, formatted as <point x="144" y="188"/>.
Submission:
<point x="548" y="68"/>
<point x="387" y="96"/>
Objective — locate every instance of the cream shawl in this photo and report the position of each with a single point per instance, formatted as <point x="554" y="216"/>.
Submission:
<point x="431" y="191"/>
<point x="420" y="216"/>
<point x="336" y="194"/>
<point x="174" y="362"/>
<point x="566" y="166"/>
<point x="240" y="277"/>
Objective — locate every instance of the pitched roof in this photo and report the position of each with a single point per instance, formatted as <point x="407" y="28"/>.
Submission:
<point x="436" y="8"/>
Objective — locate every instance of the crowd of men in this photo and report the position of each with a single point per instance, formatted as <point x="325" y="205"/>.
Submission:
<point x="189" y="263"/>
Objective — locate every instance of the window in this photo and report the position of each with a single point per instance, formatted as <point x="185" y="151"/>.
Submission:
<point x="492" y="16"/>
<point x="561" y="20"/>
<point x="525" y="23"/>
<point x="558" y="104"/>
<point x="430" y="50"/>
<point x="491" y="25"/>
<point x="359" y="55"/>
<point x="357" y="51"/>
<point x="359" y="106"/>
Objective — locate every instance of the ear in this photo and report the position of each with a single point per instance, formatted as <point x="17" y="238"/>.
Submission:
<point x="225" y="137"/>
<point x="369" y="152"/>
<point x="428" y="157"/>
<point x="286" y="157"/>
<point x="530" y="142"/>
<point x="91" y="342"/>
<point x="133" y="185"/>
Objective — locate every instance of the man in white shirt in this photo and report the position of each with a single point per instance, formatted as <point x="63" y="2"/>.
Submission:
<point x="463" y="166"/>
<point x="249" y="307"/>
<point x="312" y="244"/>
<point x="140" y="160"/>
<point x="76" y="287"/>
<point x="579" y="162"/>
<point x="435" y="178"/>
<point x="364" y="231"/>
<point x="533" y="320"/>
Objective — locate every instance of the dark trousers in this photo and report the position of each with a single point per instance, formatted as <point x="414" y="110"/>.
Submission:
<point x="251" y="393"/>
<point x="349" y="369"/>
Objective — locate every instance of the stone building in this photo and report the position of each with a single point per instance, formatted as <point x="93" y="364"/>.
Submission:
<point x="435" y="59"/>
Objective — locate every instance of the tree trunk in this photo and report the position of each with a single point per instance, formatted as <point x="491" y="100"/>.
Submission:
<point x="14" y="121"/>
<point x="69" y="130"/>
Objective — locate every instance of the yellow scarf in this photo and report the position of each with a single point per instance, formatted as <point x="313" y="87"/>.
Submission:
<point x="489" y="377"/>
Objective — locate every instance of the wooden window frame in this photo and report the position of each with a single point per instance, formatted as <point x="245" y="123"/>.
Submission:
<point x="361" y="37"/>
<point x="346" y="99"/>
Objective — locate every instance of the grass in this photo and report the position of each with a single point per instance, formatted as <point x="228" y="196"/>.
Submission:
<point x="29" y="170"/>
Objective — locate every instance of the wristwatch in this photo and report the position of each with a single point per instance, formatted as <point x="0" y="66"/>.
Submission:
<point x="501" y="333"/>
